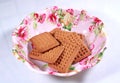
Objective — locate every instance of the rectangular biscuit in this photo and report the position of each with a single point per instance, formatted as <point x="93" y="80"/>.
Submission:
<point x="66" y="58"/>
<point x="77" y="39"/>
<point x="54" y="30"/>
<point x="44" y="41"/>
<point x="83" y="49"/>
<point x="83" y="53"/>
<point x="61" y="35"/>
<point x="50" y="56"/>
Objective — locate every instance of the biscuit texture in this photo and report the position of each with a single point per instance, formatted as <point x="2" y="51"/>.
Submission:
<point x="60" y="49"/>
<point x="65" y="60"/>
<point x="44" y="42"/>
<point x="50" y="56"/>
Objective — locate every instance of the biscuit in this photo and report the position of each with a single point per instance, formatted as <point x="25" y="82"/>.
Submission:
<point x="66" y="58"/>
<point x="50" y="56"/>
<point x="60" y="49"/>
<point x="77" y="39"/>
<point x="54" y="30"/>
<point x="34" y="54"/>
<point x="61" y="35"/>
<point x="83" y="53"/>
<point x="82" y="37"/>
<point x="44" y="42"/>
<point x="83" y="49"/>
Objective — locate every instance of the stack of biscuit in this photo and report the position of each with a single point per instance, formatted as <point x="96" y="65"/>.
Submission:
<point x="60" y="49"/>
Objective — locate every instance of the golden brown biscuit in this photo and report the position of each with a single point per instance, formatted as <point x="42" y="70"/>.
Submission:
<point x="72" y="49"/>
<point x="83" y="49"/>
<point x="44" y="42"/>
<point x="65" y="60"/>
<point x="83" y="53"/>
<point x="50" y="56"/>
<point x="75" y="38"/>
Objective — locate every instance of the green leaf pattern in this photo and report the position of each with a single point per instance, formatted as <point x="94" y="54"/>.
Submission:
<point x="98" y="29"/>
<point x="72" y="68"/>
<point x="35" y="25"/>
<point x="68" y="27"/>
<point x="101" y="53"/>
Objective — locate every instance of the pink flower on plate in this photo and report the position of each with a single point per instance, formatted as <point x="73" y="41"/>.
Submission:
<point x="25" y="21"/>
<point x="36" y="15"/>
<point x="59" y="24"/>
<point x="85" y="67"/>
<point x="83" y="15"/>
<point x="19" y="45"/>
<point x="71" y="11"/>
<point x="22" y="33"/>
<point x="83" y="12"/>
<point x="91" y="28"/>
<point x="42" y="18"/>
<point x="53" y="18"/>
<point x="84" y="62"/>
<point x="92" y="46"/>
<point x="76" y="21"/>
<point x="97" y="20"/>
<point x="55" y="8"/>
<point x="51" y="72"/>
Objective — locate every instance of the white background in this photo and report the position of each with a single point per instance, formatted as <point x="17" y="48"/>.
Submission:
<point x="14" y="71"/>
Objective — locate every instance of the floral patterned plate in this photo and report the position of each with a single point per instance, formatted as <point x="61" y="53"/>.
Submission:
<point x="68" y="20"/>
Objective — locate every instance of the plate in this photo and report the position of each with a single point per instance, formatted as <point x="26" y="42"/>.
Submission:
<point x="67" y="19"/>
